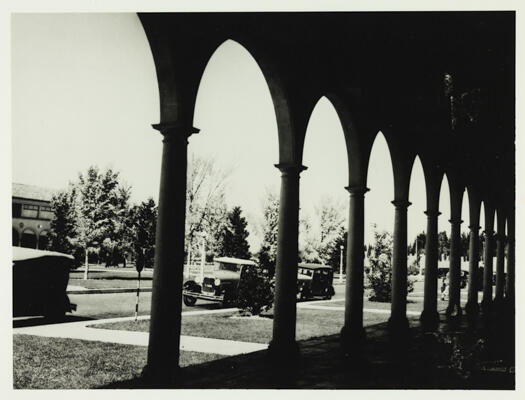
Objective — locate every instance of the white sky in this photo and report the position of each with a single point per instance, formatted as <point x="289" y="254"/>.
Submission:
<point x="84" y="92"/>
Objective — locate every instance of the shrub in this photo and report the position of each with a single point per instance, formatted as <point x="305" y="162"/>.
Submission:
<point x="255" y="292"/>
<point x="380" y="273"/>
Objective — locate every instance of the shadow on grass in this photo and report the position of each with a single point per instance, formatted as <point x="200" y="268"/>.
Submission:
<point x="419" y="361"/>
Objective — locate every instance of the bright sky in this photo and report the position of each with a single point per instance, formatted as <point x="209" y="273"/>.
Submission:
<point x="84" y="92"/>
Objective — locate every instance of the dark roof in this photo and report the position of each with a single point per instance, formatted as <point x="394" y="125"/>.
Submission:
<point x="23" y="254"/>
<point x="232" y="260"/>
<point x="32" y="192"/>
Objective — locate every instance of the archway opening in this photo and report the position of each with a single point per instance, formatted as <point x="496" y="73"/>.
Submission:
<point x="15" y="238"/>
<point x="238" y="141"/>
<point x="28" y="239"/>
<point x="379" y="212"/>
<point x="416" y="220"/>
<point x="43" y="240"/>
<point x="323" y="199"/>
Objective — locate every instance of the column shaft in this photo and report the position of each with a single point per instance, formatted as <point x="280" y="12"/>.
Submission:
<point x="488" y="268"/>
<point x="430" y="316"/>
<point x="284" y="319"/>
<point x="510" y="289"/>
<point x="398" y="317"/>
<point x="500" y="263"/>
<point x="472" y="306"/>
<point x="454" y="305"/>
<point x="352" y="333"/>
<point x="164" y="335"/>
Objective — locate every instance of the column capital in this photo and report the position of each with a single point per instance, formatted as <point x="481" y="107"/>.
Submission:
<point x="401" y="203"/>
<point x="356" y="190"/>
<point x="474" y="227"/>
<point x="289" y="168"/>
<point x="458" y="221"/>
<point x="432" y="213"/>
<point x="175" y="130"/>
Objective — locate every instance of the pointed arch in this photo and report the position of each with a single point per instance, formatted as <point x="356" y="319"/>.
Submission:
<point x="380" y="181"/>
<point x="417" y="196"/>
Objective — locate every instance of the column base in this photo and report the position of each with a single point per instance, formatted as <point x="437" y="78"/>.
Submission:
<point x="429" y="320"/>
<point x="352" y="340"/>
<point x="454" y="311"/>
<point x="283" y="352"/>
<point x="160" y="378"/>
<point x="486" y="307"/>
<point x="472" y="309"/>
<point x="398" y="327"/>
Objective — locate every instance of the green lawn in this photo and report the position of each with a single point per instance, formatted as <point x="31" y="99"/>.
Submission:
<point x="310" y="323"/>
<point x="53" y="363"/>
<point x="127" y="274"/>
<point x="110" y="305"/>
<point x="110" y="283"/>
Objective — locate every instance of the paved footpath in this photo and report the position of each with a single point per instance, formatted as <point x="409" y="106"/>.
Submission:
<point x="83" y="330"/>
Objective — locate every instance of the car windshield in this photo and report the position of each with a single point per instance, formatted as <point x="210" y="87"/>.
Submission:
<point x="229" y="267"/>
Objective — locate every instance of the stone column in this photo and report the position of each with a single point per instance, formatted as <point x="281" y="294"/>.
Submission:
<point x="164" y="335"/>
<point x="353" y="334"/>
<point x="500" y="260"/>
<point x="472" y="307"/>
<point x="283" y="344"/>
<point x="454" y="300"/>
<point x="510" y="289"/>
<point x="488" y="261"/>
<point x="398" y="320"/>
<point x="430" y="316"/>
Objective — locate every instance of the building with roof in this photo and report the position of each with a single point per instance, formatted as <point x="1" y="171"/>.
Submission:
<point x="31" y="215"/>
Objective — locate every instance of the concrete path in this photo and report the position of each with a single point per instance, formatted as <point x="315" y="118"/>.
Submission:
<point x="83" y="330"/>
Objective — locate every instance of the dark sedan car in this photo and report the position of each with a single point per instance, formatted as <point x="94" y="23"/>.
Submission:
<point x="40" y="281"/>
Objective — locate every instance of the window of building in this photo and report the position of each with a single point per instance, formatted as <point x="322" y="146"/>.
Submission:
<point x="29" y="211"/>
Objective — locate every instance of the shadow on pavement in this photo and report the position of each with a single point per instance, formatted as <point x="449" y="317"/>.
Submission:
<point x="36" y="321"/>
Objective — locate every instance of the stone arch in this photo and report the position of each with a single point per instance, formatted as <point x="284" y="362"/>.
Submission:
<point x="28" y="238"/>
<point x="311" y="114"/>
<point x="402" y="158"/>
<point x="417" y="196"/>
<point x="288" y="123"/>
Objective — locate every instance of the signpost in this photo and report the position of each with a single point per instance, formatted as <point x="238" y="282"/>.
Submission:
<point x="139" y="265"/>
<point x="341" y="265"/>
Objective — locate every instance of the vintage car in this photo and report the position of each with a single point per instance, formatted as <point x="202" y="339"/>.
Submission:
<point x="40" y="281"/>
<point x="222" y="285"/>
<point x="314" y="280"/>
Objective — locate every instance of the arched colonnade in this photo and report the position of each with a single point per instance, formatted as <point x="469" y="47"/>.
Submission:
<point x="382" y="81"/>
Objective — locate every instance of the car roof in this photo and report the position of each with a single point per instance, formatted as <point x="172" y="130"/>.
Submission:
<point x="313" y="266"/>
<point x="23" y="254"/>
<point x="233" y="260"/>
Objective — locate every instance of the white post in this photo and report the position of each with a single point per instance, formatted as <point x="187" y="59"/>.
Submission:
<point x="341" y="265"/>
<point x="203" y="255"/>
<point x="86" y="270"/>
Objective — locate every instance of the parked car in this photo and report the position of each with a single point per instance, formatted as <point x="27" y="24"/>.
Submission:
<point x="40" y="281"/>
<point x="314" y="280"/>
<point x="222" y="285"/>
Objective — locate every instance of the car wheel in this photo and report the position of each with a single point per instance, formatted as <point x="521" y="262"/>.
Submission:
<point x="189" y="300"/>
